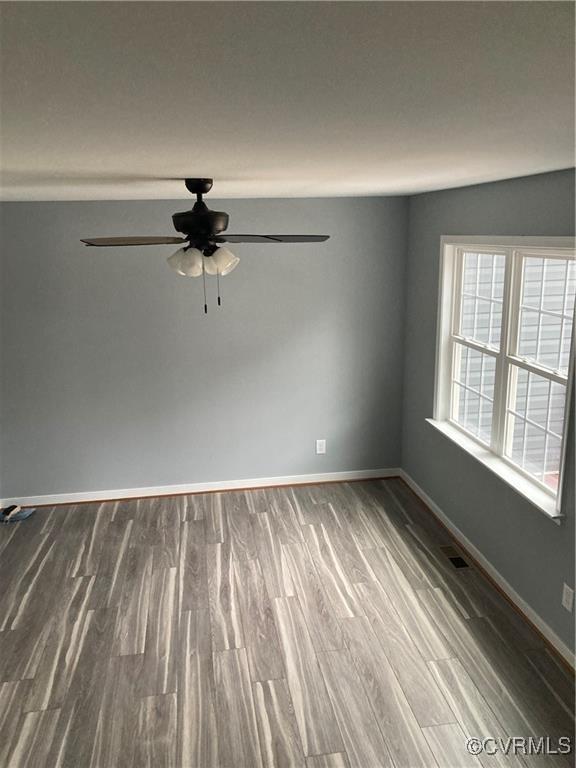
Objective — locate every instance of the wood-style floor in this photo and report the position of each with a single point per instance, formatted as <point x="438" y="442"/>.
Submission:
<point x="317" y="627"/>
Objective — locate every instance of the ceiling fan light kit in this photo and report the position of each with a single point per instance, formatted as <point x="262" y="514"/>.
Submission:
<point x="204" y="233"/>
<point x="221" y="262"/>
<point x="187" y="262"/>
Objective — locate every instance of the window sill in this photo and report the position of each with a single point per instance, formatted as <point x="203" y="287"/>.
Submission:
<point x="529" y="490"/>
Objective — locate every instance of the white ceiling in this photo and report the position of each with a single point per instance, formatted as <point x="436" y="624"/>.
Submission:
<point x="119" y="100"/>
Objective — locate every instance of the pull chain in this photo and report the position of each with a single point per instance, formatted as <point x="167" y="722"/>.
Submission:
<point x="218" y="286"/>
<point x="204" y="285"/>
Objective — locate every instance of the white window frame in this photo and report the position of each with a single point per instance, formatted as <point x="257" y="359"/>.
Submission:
<point x="492" y="456"/>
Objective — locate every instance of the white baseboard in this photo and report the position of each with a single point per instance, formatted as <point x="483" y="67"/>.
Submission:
<point x="495" y="575"/>
<point x="218" y="485"/>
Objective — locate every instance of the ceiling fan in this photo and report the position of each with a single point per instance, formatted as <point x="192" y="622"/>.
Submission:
<point x="204" y="236"/>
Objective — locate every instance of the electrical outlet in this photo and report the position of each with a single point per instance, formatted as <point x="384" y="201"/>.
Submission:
<point x="320" y="446"/>
<point x="567" y="597"/>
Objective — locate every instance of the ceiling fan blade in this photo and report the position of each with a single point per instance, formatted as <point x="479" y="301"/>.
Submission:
<point x="111" y="241"/>
<point x="226" y="238"/>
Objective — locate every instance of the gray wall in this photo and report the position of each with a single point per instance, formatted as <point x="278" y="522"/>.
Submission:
<point x="112" y="376"/>
<point x="532" y="553"/>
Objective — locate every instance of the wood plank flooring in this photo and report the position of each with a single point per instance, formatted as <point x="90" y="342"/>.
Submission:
<point x="313" y="627"/>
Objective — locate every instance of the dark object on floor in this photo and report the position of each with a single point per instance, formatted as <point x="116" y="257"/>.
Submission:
<point x="15" y="513"/>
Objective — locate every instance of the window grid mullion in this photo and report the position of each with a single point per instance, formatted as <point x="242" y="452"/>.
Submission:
<point x="502" y="366"/>
<point x="540" y="307"/>
<point x="475" y="328"/>
<point x="548" y="312"/>
<point x="473" y="390"/>
<point x="524" y="441"/>
<point x="532" y="423"/>
<point x="548" y="406"/>
<point x="546" y="435"/>
<point x="565" y="296"/>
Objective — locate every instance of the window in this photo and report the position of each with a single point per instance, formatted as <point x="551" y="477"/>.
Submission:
<point x="504" y="346"/>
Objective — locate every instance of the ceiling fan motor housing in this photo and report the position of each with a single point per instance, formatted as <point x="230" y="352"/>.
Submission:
<point x="200" y="224"/>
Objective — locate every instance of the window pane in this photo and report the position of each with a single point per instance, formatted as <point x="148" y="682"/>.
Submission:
<point x="532" y="274"/>
<point x="535" y="421"/>
<point x="468" y="315"/>
<point x="552" y="464"/>
<point x="516" y="448"/>
<point x="473" y="391"/>
<point x="485" y="275"/>
<point x="547" y="310"/>
<point x="470" y="271"/>
<point x="553" y="294"/>
<point x="482" y="320"/>
<point x="534" y="447"/>
<point x="537" y="399"/>
<point x="557" y="403"/>
<point x="482" y="290"/>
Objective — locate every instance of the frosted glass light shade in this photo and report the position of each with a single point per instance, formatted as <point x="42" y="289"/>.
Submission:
<point x="187" y="262"/>
<point x="192" y="262"/>
<point x="175" y="261"/>
<point x="224" y="261"/>
<point x="210" y="265"/>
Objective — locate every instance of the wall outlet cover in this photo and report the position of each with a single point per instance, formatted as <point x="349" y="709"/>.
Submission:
<point x="320" y="446"/>
<point x="567" y="597"/>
